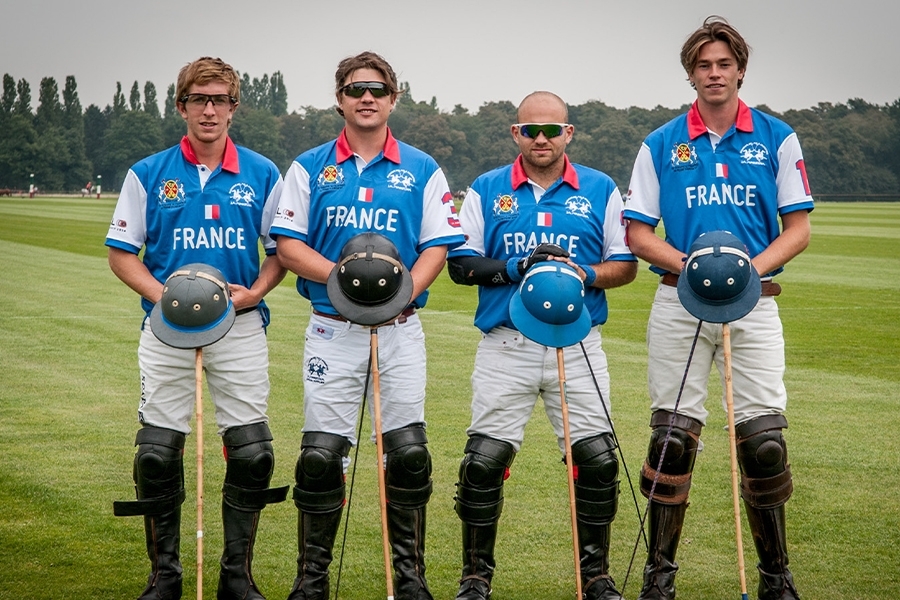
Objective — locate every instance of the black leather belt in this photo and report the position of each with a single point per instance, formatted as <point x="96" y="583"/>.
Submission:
<point x="769" y="288"/>
<point x="401" y="318"/>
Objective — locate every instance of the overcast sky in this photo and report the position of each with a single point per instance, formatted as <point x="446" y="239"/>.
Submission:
<point x="624" y="53"/>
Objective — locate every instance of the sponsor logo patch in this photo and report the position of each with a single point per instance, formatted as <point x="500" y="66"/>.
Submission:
<point x="401" y="179"/>
<point x="578" y="206"/>
<point x="241" y="194"/>
<point x="755" y="154"/>
<point x="316" y="370"/>
<point x="331" y="177"/>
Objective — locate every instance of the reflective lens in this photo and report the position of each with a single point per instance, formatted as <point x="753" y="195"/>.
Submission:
<point x="201" y="100"/>
<point x="550" y="130"/>
<point x="357" y="89"/>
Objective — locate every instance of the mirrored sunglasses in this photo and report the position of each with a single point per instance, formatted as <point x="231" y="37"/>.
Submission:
<point x="550" y="130"/>
<point x="201" y="100"/>
<point x="357" y="89"/>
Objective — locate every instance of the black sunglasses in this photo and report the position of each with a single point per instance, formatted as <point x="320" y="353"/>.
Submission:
<point x="204" y="99"/>
<point x="550" y="130"/>
<point x="357" y="89"/>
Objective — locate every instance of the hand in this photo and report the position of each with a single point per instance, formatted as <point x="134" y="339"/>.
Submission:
<point x="541" y="253"/>
<point x="242" y="297"/>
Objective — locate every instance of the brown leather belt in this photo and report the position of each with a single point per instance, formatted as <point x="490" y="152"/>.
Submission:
<point x="769" y="288"/>
<point x="401" y="318"/>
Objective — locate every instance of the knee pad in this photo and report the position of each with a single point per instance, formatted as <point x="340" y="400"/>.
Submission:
<point x="762" y="453"/>
<point x="408" y="468"/>
<point x="250" y="461"/>
<point x="596" y="479"/>
<point x="158" y="473"/>
<point x="673" y="481"/>
<point x="320" y="472"/>
<point x="479" y="493"/>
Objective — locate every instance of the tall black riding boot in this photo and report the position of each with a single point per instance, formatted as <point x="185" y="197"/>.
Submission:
<point x="159" y="484"/>
<point x="594" y="551"/>
<point x="406" y="529"/>
<point x="163" y="540"/>
<point x="315" y="538"/>
<point x="236" y="577"/>
<point x="478" y="561"/>
<point x="768" y="528"/>
<point x="664" y="533"/>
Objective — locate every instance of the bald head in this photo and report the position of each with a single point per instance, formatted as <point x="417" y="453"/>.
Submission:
<point x="542" y="107"/>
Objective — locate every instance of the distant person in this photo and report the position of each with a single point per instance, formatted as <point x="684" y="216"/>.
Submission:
<point x="540" y="208"/>
<point x="202" y="201"/>
<point x="720" y="166"/>
<point x="364" y="181"/>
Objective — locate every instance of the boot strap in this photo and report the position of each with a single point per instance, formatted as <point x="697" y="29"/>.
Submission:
<point x="255" y="499"/>
<point x="149" y="506"/>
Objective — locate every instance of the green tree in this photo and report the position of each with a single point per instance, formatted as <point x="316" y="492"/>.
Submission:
<point x="18" y="152"/>
<point x="134" y="98"/>
<point x="130" y="138"/>
<point x="95" y="125"/>
<point x="22" y="105"/>
<point x="8" y="100"/>
<point x="277" y="95"/>
<point x="77" y="170"/>
<point x="258" y="130"/>
<point x="118" y="105"/>
<point x="172" y="123"/>
<point x="49" y="111"/>
<point x="151" y="105"/>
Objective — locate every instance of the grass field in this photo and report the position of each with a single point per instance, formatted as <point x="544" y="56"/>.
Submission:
<point x="69" y="391"/>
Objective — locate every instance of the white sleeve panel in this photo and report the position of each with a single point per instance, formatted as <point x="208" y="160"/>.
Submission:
<point x="643" y="191"/>
<point x="437" y="209"/>
<point x="614" y="227"/>
<point x="791" y="177"/>
<point x="293" y="201"/>
<point x="471" y="219"/>
<point x="129" y="221"/>
<point x="268" y="215"/>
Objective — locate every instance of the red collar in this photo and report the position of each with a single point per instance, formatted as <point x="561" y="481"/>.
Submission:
<point x="391" y="149"/>
<point x="696" y="126"/>
<point x="229" y="161"/>
<point x="519" y="177"/>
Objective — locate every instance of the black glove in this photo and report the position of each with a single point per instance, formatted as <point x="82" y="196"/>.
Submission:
<point x="541" y="253"/>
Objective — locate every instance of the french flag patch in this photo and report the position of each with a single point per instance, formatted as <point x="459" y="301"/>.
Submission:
<point x="365" y="194"/>
<point x="212" y="211"/>
<point x="544" y="219"/>
<point x="721" y="170"/>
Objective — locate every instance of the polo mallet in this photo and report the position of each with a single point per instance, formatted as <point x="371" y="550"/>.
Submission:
<point x="379" y="445"/>
<point x="570" y="467"/>
<point x="198" y="377"/>
<point x="729" y="404"/>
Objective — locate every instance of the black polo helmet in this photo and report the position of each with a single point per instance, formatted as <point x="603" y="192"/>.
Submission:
<point x="195" y="309"/>
<point x="369" y="285"/>
<point x="719" y="284"/>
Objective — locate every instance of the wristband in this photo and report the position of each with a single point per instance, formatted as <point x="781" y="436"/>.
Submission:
<point x="512" y="270"/>
<point x="590" y="275"/>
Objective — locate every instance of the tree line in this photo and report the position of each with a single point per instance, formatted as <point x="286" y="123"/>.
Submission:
<point x="849" y="148"/>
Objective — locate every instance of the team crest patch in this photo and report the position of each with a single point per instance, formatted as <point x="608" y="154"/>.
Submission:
<point x="754" y="153"/>
<point x="241" y="194"/>
<point x="170" y="193"/>
<point x="506" y="207"/>
<point x="684" y="156"/>
<point x="316" y="369"/>
<point x="578" y="206"/>
<point x="331" y="176"/>
<point x="401" y="179"/>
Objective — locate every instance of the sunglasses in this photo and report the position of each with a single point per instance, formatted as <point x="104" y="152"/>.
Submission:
<point x="201" y="100"/>
<point x="358" y="89"/>
<point x="550" y="130"/>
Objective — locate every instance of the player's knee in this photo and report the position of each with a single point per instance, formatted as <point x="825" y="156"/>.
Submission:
<point x="597" y="479"/>
<point x="762" y="453"/>
<point x="250" y="461"/>
<point x="159" y="461"/>
<point x="319" y="473"/>
<point x="678" y="448"/>
<point x="479" y="493"/>
<point x="408" y="468"/>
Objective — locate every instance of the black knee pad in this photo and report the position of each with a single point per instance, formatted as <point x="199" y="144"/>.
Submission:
<point x="250" y="462"/>
<point x="408" y="468"/>
<point x="673" y="482"/>
<point x="158" y="473"/>
<point x="762" y="453"/>
<point x="479" y="493"/>
<point x="320" y="472"/>
<point x="597" y="479"/>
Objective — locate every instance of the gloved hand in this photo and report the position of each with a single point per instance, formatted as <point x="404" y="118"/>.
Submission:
<point x="541" y="253"/>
